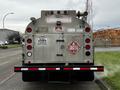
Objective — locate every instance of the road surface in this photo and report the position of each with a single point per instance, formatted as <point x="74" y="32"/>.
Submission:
<point x="12" y="81"/>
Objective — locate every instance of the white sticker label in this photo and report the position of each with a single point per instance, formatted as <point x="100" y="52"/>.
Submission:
<point x="71" y="30"/>
<point x="79" y="30"/>
<point x="63" y="19"/>
<point x="42" y="40"/>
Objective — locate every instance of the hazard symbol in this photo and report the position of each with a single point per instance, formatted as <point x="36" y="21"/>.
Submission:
<point x="73" y="47"/>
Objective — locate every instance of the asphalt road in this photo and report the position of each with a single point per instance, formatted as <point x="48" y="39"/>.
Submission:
<point x="12" y="81"/>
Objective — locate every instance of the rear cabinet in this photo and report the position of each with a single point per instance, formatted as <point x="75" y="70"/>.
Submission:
<point x="54" y="48"/>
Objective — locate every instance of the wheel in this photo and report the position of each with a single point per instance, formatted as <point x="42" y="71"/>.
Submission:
<point x="83" y="76"/>
<point x="33" y="76"/>
<point x="25" y="77"/>
<point x="89" y="76"/>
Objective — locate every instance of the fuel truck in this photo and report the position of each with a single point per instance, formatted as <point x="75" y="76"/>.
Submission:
<point x="58" y="46"/>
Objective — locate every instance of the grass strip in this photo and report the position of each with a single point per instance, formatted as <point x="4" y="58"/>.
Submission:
<point x="111" y="61"/>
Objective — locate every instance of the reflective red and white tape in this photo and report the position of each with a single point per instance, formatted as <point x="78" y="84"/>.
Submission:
<point x="18" y="69"/>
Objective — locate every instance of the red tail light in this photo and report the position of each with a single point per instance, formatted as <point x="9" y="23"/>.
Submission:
<point x="87" y="47"/>
<point x="29" y="30"/>
<point x="87" y="29"/>
<point x="29" y="40"/>
<point x="87" y="40"/>
<point x="29" y="47"/>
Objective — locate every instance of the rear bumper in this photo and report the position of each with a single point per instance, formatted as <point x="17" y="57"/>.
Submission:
<point x="63" y="68"/>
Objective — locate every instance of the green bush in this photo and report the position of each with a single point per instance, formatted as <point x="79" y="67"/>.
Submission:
<point x="4" y="47"/>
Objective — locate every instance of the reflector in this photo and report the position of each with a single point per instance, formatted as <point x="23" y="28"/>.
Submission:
<point x="17" y="69"/>
<point x="100" y="69"/>
<point x="87" y="68"/>
<point x="84" y="69"/>
<point x="33" y="69"/>
<point x="29" y="54"/>
<point x="68" y="68"/>
<point x="87" y="53"/>
<point x="50" y="68"/>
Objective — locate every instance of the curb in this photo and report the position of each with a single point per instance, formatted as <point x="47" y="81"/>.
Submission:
<point x="102" y="84"/>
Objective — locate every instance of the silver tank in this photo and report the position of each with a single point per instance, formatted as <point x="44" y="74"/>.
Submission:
<point x="58" y="37"/>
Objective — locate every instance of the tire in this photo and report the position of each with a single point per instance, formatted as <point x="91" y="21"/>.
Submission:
<point x="25" y="76"/>
<point x="33" y="76"/>
<point x="89" y="76"/>
<point x="83" y="76"/>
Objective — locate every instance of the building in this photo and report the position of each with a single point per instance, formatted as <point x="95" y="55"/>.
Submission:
<point x="9" y="35"/>
<point x="107" y="37"/>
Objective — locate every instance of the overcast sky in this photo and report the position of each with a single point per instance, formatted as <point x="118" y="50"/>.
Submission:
<point x="105" y="12"/>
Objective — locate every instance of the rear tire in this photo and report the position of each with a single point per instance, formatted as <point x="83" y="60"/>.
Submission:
<point x="83" y="76"/>
<point x="34" y="76"/>
<point x="25" y="77"/>
<point x="54" y="76"/>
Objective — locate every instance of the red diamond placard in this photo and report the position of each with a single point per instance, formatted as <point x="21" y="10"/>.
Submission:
<point x="73" y="47"/>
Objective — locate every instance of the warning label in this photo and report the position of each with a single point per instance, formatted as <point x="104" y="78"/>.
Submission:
<point x="42" y="40"/>
<point x="73" y="47"/>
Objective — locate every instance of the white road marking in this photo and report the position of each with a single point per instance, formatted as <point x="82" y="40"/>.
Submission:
<point x="8" y="56"/>
<point x="3" y="63"/>
<point x="3" y="81"/>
